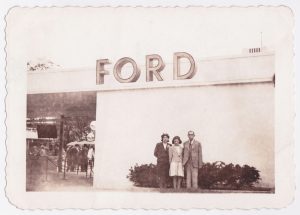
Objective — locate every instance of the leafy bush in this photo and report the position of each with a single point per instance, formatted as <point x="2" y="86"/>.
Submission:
<point x="143" y="175"/>
<point x="230" y="176"/>
<point x="217" y="175"/>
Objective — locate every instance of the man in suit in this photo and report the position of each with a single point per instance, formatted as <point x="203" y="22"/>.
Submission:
<point x="192" y="160"/>
<point x="161" y="152"/>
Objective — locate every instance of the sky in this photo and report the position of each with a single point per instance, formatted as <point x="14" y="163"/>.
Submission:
<point x="76" y="38"/>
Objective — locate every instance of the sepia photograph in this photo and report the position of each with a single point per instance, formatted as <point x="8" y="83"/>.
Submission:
<point x="212" y="137"/>
<point x="116" y="103"/>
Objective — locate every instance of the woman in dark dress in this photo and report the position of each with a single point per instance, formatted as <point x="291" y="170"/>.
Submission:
<point x="161" y="152"/>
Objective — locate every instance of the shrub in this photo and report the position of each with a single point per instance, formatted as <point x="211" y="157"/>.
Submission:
<point x="217" y="175"/>
<point x="143" y="175"/>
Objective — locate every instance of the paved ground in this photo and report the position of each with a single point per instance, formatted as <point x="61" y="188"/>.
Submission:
<point x="73" y="182"/>
<point x="56" y="182"/>
<point x="38" y="180"/>
<point x="184" y="190"/>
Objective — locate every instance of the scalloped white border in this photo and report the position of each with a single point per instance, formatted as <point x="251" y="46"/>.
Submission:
<point x="116" y="200"/>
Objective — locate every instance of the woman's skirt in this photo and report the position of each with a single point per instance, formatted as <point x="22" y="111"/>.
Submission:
<point x="176" y="169"/>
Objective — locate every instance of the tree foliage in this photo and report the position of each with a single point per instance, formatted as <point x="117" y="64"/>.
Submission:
<point x="40" y="65"/>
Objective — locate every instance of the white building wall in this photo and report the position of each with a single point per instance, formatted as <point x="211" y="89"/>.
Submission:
<point x="234" y="123"/>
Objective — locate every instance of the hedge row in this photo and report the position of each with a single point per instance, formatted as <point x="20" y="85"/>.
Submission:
<point x="217" y="175"/>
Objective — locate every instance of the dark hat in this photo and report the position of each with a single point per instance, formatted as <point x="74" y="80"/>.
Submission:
<point x="165" y="135"/>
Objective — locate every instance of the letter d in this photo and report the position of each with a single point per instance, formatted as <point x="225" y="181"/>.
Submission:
<point x="176" y="66"/>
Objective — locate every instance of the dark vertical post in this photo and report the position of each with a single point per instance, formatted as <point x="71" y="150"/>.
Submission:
<point x="60" y="143"/>
<point x="46" y="157"/>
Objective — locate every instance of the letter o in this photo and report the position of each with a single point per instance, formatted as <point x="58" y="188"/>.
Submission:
<point x="118" y="69"/>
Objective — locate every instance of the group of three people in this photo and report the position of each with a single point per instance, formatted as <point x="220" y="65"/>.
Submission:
<point x="173" y="160"/>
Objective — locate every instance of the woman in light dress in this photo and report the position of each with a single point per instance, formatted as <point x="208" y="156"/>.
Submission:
<point x="175" y="159"/>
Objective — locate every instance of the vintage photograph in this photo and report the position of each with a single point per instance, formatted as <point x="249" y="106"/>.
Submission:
<point x="215" y="135"/>
<point x="125" y="103"/>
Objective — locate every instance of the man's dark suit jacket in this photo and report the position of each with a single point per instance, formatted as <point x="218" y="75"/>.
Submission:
<point x="195" y="151"/>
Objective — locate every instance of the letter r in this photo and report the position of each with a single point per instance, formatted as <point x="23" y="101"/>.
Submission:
<point x="154" y="70"/>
